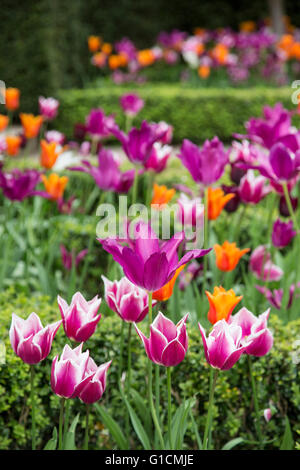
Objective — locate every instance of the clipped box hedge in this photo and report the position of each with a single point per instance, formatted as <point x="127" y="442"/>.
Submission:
<point x="195" y="113"/>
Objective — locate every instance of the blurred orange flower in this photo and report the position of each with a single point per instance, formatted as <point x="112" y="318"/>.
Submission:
<point x="247" y="26"/>
<point x="228" y="255"/>
<point x="220" y="53"/>
<point x="117" y="60"/>
<point x="94" y="43"/>
<point x="99" y="59"/>
<point x="12" y="98"/>
<point x="221" y="304"/>
<point x="31" y="124"/>
<point x="4" y="120"/>
<point x="199" y="31"/>
<point x="217" y="200"/>
<point x="161" y="195"/>
<point x="146" y="57"/>
<point x="106" y="48"/>
<point x="49" y="153"/>
<point x="165" y="292"/>
<point x="13" y="144"/>
<point x="204" y="71"/>
<point x="286" y="43"/>
<point x="55" y="185"/>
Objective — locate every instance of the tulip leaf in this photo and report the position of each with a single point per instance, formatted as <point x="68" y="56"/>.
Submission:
<point x="137" y="425"/>
<point x="69" y="442"/>
<point x="143" y="410"/>
<point x="113" y="427"/>
<point x="52" y="443"/>
<point x="232" y="443"/>
<point x="287" y="440"/>
<point x="179" y="423"/>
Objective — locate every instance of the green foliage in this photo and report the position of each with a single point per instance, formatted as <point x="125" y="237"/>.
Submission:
<point x="196" y="114"/>
<point x="233" y="407"/>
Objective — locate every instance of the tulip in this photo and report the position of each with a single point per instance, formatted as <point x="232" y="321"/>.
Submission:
<point x="93" y="384"/>
<point x="233" y="204"/>
<point x="55" y="136"/>
<point x="282" y="233"/>
<point x="221" y="304"/>
<point x="29" y="340"/>
<point x="165" y="292"/>
<point x="65" y="207"/>
<point x="31" y="124"/>
<point x="223" y="347"/>
<point x="55" y="185"/>
<point x="145" y="57"/>
<point x="131" y="104"/>
<point x="255" y="333"/>
<point x="98" y="124"/>
<point x="262" y="267"/>
<point x="12" y="98"/>
<point x="252" y="189"/>
<point x="205" y="165"/>
<point x="13" y="144"/>
<point x="217" y="200"/>
<point x="80" y="318"/>
<point x="4" y="120"/>
<point x="159" y="157"/>
<point x="17" y="185"/>
<point x="164" y="131"/>
<point x="283" y="207"/>
<point x="99" y="59"/>
<point x="190" y="211"/>
<point x="68" y="257"/>
<point x="189" y="274"/>
<point x="148" y="264"/>
<point x="161" y="195"/>
<point x="168" y="343"/>
<point x="275" y="297"/>
<point x="228" y="255"/>
<point x="49" y="153"/>
<point x="68" y="371"/>
<point x="94" y="43"/>
<point x="127" y="300"/>
<point x="48" y="108"/>
<point x="108" y="175"/>
<point x="267" y="414"/>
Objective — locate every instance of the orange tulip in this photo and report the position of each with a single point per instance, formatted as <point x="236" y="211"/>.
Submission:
<point x="247" y="26"/>
<point x="217" y="200"/>
<point x="13" y="144"/>
<point x="99" y="59"/>
<point x="220" y="53"/>
<point x="204" y="71"/>
<point x="31" y="124"/>
<point x="106" y="48"/>
<point x="12" y="98"/>
<point x="94" y="43"/>
<point x="162" y="195"/>
<point x="117" y="60"/>
<point x="221" y="304"/>
<point x="55" y="185"/>
<point x="228" y="255"/>
<point x="145" y="57"/>
<point x="49" y="153"/>
<point x="165" y="292"/>
<point x="4" y="120"/>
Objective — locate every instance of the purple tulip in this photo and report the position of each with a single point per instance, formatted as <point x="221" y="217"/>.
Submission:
<point x="98" y="124"/>
<point x="108" y="175"/>
<point x="159" y="157"/>
<point x="48" y="108"/>
<point x="283" y="207"/>
<point x="138" y="144"/>
<point x="29" y="340"/>
<point x="275" y="297"/>
<point x="93" y="384"/>
<point x="206" y="165"/>
<point x="68" y="257"/>
<point x="223" y="347"/>
<point x="68" y="371"/>
<point x="282" y="233"/>
<point x="131" y="104"/>
<point x="163" y="130"/>
<point x="234" y="203"/>
<point x="127" y="300"/>
<point x="255" y="334"/>
<point x="168" y="343"/>
<point x="190" y="211"/>
<point x="17" y="185"/>
<point x="253" y="189"/>
<point x="149" y="264"/>
<point x="80" y="318"/>
<point x="261" y="265"/>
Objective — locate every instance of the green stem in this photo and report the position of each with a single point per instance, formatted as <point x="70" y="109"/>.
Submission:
<point x="169" y="406"/>
<point x="121" y="352"/>
<point x="210" y="410"/>
<point x="157" y="393"/>
<point x="205" y="241"/>
<point x="150" y="187"/>
<point x="32" y="395"/>
<point x="256" y="406"/>
<point x="66" y="420"/>
<point x="289" y="204"/>
<point x="129" y="360"/>
<point x="94" y="145"/>
<point x="135" y="186"/>
<point x="60" y="428"/>
<point x="150" y="397"/>
<point x="86" y="434"/>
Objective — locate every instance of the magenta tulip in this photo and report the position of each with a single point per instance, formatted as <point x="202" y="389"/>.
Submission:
<point x="253" y="189"/>
<point x="282" y="233"/>
<point x="168" y="343"/>
<point x="131" y="104"/>
<point x="29" y="340"/>
<point x="80" y="318"/>
<point x="68" y="257"/>
<point x="262" y="266"/>
<point x="93" y="384"/>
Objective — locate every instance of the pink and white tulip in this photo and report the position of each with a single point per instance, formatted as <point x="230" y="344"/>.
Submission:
<point x="68" y="371"/>
<point x="80" y="318"/>
<point x="253" y="189"/>
<point x="255" y="333"/>
<point x="48" y="107"/>
<point x="168" y="343"/>
<point x="29" y="340"/>
<point x="93" y="385"/>
<point x="262" y="266"/>
<point x="129" y="301"/>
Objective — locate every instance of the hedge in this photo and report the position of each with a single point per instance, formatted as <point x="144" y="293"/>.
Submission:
<point x="276" y="376"/>
<point x="196" y="114"/>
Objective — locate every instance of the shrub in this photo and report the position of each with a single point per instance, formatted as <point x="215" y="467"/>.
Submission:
<point x="276" y="376"/>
